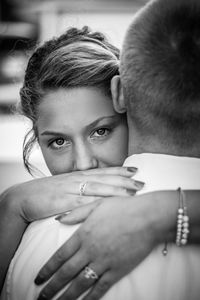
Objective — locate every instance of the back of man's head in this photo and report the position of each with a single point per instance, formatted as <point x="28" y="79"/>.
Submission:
<point x="160" y="73"/>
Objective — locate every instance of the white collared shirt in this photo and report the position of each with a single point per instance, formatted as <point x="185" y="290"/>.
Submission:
<point x="174" y="277"/>
<point x="164" y="172"/>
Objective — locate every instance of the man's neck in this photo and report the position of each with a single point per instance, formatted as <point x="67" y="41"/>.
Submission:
<point x="150" y="144"/>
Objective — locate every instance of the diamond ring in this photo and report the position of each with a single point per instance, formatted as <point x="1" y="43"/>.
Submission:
<point x="89" y="273"/>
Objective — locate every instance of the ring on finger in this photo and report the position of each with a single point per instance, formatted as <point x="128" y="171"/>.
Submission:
<point x="82" y="188"/>
<point x="90" y="273"/>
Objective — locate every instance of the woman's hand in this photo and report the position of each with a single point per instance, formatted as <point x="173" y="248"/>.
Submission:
<point x="52" y="195"/>
<point x="117" y="226"/>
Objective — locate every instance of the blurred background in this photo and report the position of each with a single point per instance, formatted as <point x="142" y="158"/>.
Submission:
<point x="24" y="24"/>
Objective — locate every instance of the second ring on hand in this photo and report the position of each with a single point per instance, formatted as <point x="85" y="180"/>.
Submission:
<point x="82" y="188"/>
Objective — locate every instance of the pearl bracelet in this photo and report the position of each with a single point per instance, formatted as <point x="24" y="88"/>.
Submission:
<point x="182" y="221"/>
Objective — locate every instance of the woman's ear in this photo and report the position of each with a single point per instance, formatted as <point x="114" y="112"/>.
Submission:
<point x="117" y="95"/>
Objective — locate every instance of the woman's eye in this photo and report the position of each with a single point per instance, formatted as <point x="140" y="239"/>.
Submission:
<point x="58" y="143"/>
<point x="101" y="132"/>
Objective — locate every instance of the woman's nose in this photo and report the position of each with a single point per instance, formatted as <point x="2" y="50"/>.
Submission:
<point x="84" y="158"/>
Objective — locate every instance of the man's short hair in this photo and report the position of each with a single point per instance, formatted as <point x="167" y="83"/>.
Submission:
<point x="160" y="67"/>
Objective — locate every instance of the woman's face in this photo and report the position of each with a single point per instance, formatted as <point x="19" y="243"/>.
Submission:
<point x="78" y="129"/>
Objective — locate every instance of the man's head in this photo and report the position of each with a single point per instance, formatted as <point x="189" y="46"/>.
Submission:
<point x="160" y="75"/>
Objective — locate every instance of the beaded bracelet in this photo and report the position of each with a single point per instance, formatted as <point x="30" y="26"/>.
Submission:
<point x="182" y="221"/>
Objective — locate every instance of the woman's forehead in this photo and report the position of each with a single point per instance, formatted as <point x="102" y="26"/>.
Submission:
<point x="70" y="107"/>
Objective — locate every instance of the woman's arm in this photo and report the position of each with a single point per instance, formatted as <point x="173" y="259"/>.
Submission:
<point x="39" y="198"/>
<point x="143" y="221"/>
<point x="12" y="227"/>
<point x="165" y="204"/>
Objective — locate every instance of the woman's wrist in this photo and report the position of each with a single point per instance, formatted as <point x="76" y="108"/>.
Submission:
<point x="165" y="205"/>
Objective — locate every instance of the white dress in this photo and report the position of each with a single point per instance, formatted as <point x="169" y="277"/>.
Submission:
<point x="174" y="277"/>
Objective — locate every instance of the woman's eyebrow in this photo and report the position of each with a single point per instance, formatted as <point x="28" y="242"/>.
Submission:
<point x="49" y="132"/>
<point x="107" y="118"/>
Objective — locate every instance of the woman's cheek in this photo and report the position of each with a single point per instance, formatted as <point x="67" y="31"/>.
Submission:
<point x="119" y="143"/>
<point x="58" y="164"/>
<point x="114" y="154"/>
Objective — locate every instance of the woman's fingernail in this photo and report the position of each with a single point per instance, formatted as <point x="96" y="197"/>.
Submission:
<point x="130" y="192"/>
<point x="139" y="184"/>
<point x="39" y="280"/>
<point x="132" y="169"/>
<point x="42" y="297"/>
<point x="61" y="216"/>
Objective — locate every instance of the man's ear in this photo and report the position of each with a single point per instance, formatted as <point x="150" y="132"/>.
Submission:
<point x="117" y="95"/>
